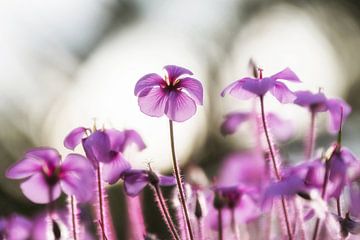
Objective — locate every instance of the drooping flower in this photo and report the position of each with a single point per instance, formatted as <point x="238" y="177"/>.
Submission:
<point x="46" y="176"/>
<point x="247" y="88"/>
<point x="175" y="95"/>
<point x="106" y="146"/>
<point x="318" y="102"/>
<point x="135" y="180"/>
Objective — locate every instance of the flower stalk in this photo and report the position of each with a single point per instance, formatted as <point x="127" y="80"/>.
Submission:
<point x="179" y="181"/>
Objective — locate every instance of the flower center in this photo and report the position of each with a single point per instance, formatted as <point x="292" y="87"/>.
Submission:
<point x="52" y="174"/>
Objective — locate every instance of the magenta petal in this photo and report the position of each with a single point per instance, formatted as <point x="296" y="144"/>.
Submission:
<point x="174" y="72"/>
<point x="335" y="106"/>
<point x="194" y="88"/>
<point x="24" y="168"/>
<point x="281" y="129"/>
<point x="258" y="87"/>
<point x="50" y="155"/>
<point x="116" y="138"/>
<point x="77" y="176"/>
<point x="153" y="104"/>
<point x="232" y="122"/>
<point x="288" y="187"/>
<point x="316" y="102"/>
<point x="74" y="138"/>
<point x="167" y="181"/>
<point x="282" y="93"/>
<point x="236" y="89"/>
<point x="37" y="189"/>
<point x="286" y="74"/>
<point x="180" y="107"/>
<point x="135" y="181"/>
<point x="113" y="170"/>
<point x="147" y="82"/>
<point x="133" y="137"/>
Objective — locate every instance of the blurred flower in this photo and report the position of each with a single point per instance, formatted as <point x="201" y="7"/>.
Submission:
<point x="174" y="95"/>
<point x="15" y="227"/>
<point x="232" y="121"/>
<point x="136" y="180"/>
<point x="106" y="146"/>
<point x="247" y="88"/>
<point x="46" y="176"/>
<point x="317" y="102"/>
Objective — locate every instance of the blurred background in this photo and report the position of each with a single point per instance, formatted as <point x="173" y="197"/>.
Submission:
<point x="65" y="64"/>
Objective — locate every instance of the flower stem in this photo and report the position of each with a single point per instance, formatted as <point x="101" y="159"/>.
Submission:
<point x="165" y="212"/>
<point x="179" y="182"/>
<point x="73" y="209"/>
<point x="310" y="142"/>
<point x="220" y="224"/>
<point x="101" y="203"/>
<point x="276" y="170"/>
<point x="233" y="225"/>
<point x="338" y="206"/>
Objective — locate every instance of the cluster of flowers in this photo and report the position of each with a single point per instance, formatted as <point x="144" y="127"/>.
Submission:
<point x="254" y="193"/>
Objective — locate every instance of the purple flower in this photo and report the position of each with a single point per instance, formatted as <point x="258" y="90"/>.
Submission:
<point x="15" y="227"/>
<point x="175" y="95"/>
<point x="232" y="121"/>
<point x="136" y="180"/>
<point x="106" y="146"/>
<point x="46" y="175"/>
<point x="247" y="88"/>
<point x="318" y="102"/>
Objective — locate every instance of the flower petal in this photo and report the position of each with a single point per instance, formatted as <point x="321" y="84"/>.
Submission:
<point x="153" y="104"/>
<point x="97" y="147"/>
<point x="74" y="138"/>
<point x="286" y="74"/>
<point x="133" y="137"/>
<point x="24" y="168"/>
<point x="335" y="106"/>
<point x="167" y="181"/>
<point x="50" y="155"/>
<point x="236" y="89"/>
<point x="174" y="72"/>
<point x="258" y="87"/>
<point x="113" y="170"/>
<point x="147" y="82"/>
<point x="282" y="93"/>
<point x="194" y="88"/>
<point x="135" y="181"/>
<point x="232" y="122"/>
<point x="37" y="189"/>
<point x="77" y="175"/>
<point x="180" y="107"/>
<point x="316" y="102"/>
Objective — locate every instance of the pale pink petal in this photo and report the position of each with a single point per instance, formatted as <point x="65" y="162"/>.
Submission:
<point x="133" y="137"/>
<point x="113" y="170"/>
<point x="258" y="87"/>
<point x="282" y="93"/>
<point x="135" y="181"/>
<point x="147" y="82"/>
<point x="37" y="189"/>
<point x="74" y="138"/>
<point x="49" y="155"/>
<point x="180" y="107"/>
<point x="116" y="138"/>
<point x="286" y="74"/>
<point x="24" y="168"/>
<point x="167" y="181"/>
<point x="153" y="104"/>
<point x="194" y="88"/>
<point x="236" y="89"/>
<point x="282" y="129"/>
<point x="174" y="72"/>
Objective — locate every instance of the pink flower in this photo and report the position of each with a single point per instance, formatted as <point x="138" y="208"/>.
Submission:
<point x="175" y="95"/>
<point x="46" y="176"/>
<point x="247" y="88"/>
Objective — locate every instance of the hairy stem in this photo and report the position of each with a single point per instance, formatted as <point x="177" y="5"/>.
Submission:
<point x="101" y="203"/>
<point x="276" y="170"/>
<point x="179" y="182"/>
<point x="165" y="212"/>
<point x="220" y="224"/>
<point x="73" y="209"/>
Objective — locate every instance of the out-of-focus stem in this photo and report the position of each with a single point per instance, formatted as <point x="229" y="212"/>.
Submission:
<point x="165" y="212"/>
<point x="276" y="170"/>
<point x="73" y="209"/>
<point x="179" y="182"/>
<point x="220" y="224"/>
<point x="311" y="138"/>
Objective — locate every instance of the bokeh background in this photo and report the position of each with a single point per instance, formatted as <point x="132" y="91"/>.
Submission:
<point x="69" y="63"/>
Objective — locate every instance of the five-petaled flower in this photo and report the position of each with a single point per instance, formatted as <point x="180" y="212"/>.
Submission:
<point x="247" y="88"/>
<point x="175" y="95"/>
<point x="105" y="146"/>
<point x="46" y="176"/>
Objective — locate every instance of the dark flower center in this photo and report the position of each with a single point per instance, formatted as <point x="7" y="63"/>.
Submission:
<point x="52" y="174"/>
